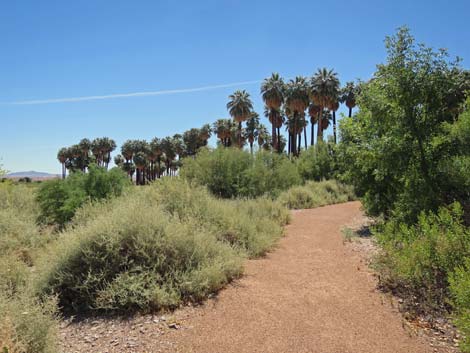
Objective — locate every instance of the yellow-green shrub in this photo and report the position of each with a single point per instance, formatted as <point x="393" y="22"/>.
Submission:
<point x="314" y="194"/>
<point x="155" y="247"/>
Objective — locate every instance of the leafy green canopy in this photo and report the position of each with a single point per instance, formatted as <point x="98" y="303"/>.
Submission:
<point x="59" y="199"/>
<point x="407" y="149"/>
<point x="231" y="172"/>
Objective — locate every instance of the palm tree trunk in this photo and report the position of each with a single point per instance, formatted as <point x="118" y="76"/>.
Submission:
<point x="305" y="137"/>
<point x="350" y="112"/>
<point x="334" y="126"/>
<point x="279" y="140"/>
<point x="299" y="143"/>
<point x="289" y="143"/>
<point x="251" y="147"/>
<point x="273" y="143"/>
<point x="240" y="134"/>
<point x="320" y="126"/>
<point x="311" y="135"/>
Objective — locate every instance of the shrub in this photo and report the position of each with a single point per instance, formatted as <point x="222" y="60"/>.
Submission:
<point x="59" y="199"/>
<point x="18" y="212"/>
<point x="417" y="260"/>
<point x="155" y="248"/>
<point x="251" y="225"/>
<point x="460" y="298"/>
<point x="27" y="325"/>
<point x="231" y="172"/>
<point x="318" y="162"/>
<point x="315" y="194"/>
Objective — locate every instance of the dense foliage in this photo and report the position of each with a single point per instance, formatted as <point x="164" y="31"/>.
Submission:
<point x="231" y="172"/>
<point x="407" y="153"/>
<point x="59" y="199"/>
<point x="407" y="149"/>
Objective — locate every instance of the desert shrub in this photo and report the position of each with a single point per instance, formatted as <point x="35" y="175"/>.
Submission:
<point x="231" y="172"/>
<point x="459" y="282"/>
<point x="59" y="199"/>
<point x="251" y="225"/>
<point x="18" y="213"/>
<point x="14" y="274"/>
<point x="318" y="162"/>
<point x="417" y="260"/>
<point x="27" y="325"/>
<point x="156" y="247"/>
<point x="315" y="194"/>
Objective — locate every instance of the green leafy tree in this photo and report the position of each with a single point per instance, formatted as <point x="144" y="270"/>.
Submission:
<point x="397" y="148"/>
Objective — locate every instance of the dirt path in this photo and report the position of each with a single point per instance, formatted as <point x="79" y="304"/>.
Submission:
<point x="307" y="296"/>
<point x="311" y="294"/>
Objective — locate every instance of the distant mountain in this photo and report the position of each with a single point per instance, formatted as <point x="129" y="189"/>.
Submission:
<point x="31" y="174"/>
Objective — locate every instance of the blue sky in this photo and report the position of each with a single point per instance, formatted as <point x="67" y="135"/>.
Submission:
<point x="61" y="49"/>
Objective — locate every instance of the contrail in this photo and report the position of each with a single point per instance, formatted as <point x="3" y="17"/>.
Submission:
<point x="127" y="95"/>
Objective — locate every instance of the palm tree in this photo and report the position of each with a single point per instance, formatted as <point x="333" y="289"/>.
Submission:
<point x="62" y="156"/>
<point x="222" y="128"/>
<point x="109" y="145"/>
<point x="334" y="106"/>
<point x="251" y="131"/>
<point x="296" y="101"/>
<point x="119" y="160"/>
<point x="348" y="96"/>
<point x="140" y="161"/>
<point x="240" y="107"/>
<point x="263" y="137"/>
<point x="156" y="150"/>
<point x="97" y="146"/>
<point x="272" y="92"/>
<point x="205" y="134"/>
<point x="168" y="148"/>
<point x="85" y="146"/>
<point x="127" y="150"/>
<point x="313" y="112"/>
<point x="324" y="87"/>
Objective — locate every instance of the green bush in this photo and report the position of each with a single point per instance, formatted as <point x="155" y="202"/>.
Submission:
<point x="318" y="162"/>
<point x="406" y="150"/>
<point x="59" y="199"/>
<point x="315" y="194"/>
<point x="231" y="172"/>
<point x="155" y="248"/>
<point x="417" y="260"/>
<point x="460" y="293"/>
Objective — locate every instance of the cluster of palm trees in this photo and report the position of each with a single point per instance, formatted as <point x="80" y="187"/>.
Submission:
<point x="229" y="133"/>
<point x="319" y="96"/>
<point x="286" y="104"/>
<point x="161" y="156"/>
<point x="81" y="155"/>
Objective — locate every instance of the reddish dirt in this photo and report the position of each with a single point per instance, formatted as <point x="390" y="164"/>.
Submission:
<point x="311" y="294"/>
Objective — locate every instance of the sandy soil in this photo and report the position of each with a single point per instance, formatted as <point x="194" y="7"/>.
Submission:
<point x="312" y="294"/>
